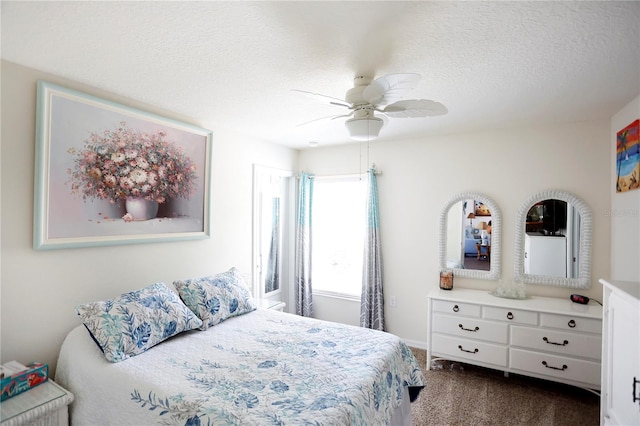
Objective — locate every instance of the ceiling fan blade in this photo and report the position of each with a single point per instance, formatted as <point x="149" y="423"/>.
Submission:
<point x="323" y="98"/>
<point x="390" y="88"/>
<point x="330" y="117"/>
<point x="415" y="108"/>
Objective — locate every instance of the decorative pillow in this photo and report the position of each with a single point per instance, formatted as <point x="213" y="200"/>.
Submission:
<point x="134" y="322"/>
<point x="216" y="298"/>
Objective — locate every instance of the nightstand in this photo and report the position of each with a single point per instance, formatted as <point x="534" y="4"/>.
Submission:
<point x="275" y="305"/>
<point x="45" y="404"/>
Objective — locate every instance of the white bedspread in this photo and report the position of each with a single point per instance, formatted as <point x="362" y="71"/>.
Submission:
<point x="265" y="367"/>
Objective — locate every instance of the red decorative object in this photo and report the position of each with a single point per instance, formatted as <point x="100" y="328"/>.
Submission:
<point x="35" y="374"/>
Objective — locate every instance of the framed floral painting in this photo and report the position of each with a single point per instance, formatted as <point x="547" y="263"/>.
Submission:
<point x="109" y="174"/>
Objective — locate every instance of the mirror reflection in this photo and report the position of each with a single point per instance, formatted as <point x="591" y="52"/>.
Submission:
<point x="469" y="235"/>
<point x="272" y="189"/>
<point x="272" y="242"/>
<point x="553" y="241"/>
<point x="470" y="246"/>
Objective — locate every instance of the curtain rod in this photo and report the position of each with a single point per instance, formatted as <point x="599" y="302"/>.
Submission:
<point x="373" y="166"/>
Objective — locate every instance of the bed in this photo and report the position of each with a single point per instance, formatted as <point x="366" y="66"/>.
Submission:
<point x="258" y="367"/>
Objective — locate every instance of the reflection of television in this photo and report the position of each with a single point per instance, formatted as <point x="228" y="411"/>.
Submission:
<point x="554" y="216"/>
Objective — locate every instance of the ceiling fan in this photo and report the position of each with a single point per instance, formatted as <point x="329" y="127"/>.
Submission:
<point x="384" y="95"/>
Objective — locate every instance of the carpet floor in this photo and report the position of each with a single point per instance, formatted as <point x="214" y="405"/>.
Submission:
<point x="463" y="394"/>
<point x="479" y="264"/>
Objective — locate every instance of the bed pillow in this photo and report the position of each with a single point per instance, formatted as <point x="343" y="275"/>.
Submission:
<point x="135" y="322"/>
<point x="216" y="298"/>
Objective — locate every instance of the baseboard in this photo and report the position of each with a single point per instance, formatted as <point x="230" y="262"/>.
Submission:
<point x="416" y="344"/>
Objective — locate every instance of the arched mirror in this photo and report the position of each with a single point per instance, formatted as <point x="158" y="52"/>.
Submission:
<point x="470" y="236"/>
<point x="553" y="241"/>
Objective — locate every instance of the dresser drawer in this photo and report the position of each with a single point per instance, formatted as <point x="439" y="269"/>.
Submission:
<point x="510" y="315"/>
<point x="568" y="322"/>
<point x="557" y="341"/>
<point x="471" y="328"/>
<point x="555" y="366"/>
<point x="456" y="308"/>
<point x="469" y="349"/>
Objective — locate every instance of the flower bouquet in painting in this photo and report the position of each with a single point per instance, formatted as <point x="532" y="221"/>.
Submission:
<point x="140" y="169"/>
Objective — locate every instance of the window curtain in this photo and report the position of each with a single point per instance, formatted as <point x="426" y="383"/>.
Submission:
<point x="272" y="278"/>
<point x="303" y="248"/>
<point x="372" y="300"/>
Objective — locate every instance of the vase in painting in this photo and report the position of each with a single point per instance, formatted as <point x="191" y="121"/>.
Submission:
<point x="140" y="208"/>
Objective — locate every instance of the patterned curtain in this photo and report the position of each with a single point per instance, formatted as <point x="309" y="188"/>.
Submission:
<point x="272" y="278"/>
<point x="303" y="248"/>
<point x="372" y="301"/>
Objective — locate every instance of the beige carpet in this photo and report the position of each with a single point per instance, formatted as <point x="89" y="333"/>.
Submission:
<point x="462" y="394"/>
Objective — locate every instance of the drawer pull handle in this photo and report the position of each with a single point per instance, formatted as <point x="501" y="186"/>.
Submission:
<point x="455" y="308"/>
<point x="635" y="382"/>
<point x="475" y="351"/>
<point x="564" y="367"/>
<point x="469" y="329"/>
<point x="566" y="342"/>
<point x="572" y="324"/>
<point x="509" y="315"/>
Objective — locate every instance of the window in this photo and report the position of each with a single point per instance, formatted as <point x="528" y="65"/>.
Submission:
<point x="338" y="231"/>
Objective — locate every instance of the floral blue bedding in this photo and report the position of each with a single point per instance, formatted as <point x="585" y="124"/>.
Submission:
<point x="261" y="368"/>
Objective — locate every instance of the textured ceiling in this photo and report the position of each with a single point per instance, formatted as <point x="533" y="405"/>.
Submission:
<point x="232" y="64"/>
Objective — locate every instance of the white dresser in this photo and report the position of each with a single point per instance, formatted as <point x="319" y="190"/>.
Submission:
<point x="620" y="401"/>
<point x="544" y="337"/>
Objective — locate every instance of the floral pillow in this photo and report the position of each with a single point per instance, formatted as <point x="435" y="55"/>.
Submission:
<point x="216" y="298"/>
<point x="135" y="322"/>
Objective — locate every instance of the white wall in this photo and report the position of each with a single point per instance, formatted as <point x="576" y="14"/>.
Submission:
<point x="420" y="176"/>
<point x="39" y="289"/>
<point x="625" y="209"/>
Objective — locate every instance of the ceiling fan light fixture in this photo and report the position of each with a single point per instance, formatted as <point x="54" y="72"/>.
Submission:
<point x="364" y="129"/>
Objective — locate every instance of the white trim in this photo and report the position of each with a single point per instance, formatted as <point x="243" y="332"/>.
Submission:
<point x="339" y="178"/>
<point x="347" y="176"/>
<point x="336" y="295"/>
<point x="418" y="344"/>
